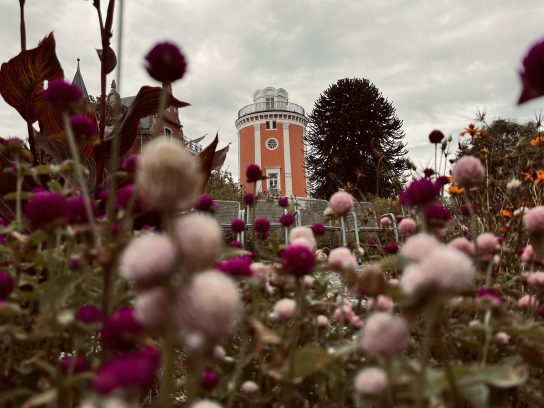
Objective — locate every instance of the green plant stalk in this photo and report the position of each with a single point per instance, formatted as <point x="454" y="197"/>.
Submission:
<point x="168" y="358"/>
<point x="422" y="385"/>
<point x="487" y="337"/>
<point x="240" y="362"/>
<point x="389" y="371"/>
<point x="299" y="293"/>
<point x="79" y="174"/>
<point x="19" y="192"/>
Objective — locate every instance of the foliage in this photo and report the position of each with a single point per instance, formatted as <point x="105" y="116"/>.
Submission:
<point x="221" y="186"/>
<point x="355" y="142"/>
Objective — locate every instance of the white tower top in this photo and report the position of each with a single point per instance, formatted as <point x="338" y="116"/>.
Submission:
<point x="270" y="94"/>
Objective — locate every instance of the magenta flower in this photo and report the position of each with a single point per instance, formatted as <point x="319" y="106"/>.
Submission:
<point x="84" y="128"/>
<point x="297" y="260"/>
<point x="209" y="380"/>
<point x="123" y="197"/>
<point x="45" y="208"/>
<point x="235" y="244"/>
<point x="318" y="229"/>
<point x="437" y="213"/>
<point x="441" y="181"/>
<point x="205" y="203"/>
<point x="262" y="228"/>
<point x="492" y="295"/>
<point x="68" y="365"/>
<point x="237" y="225"/>
<point x="165" y="62"/>
<point x="253" y="173"/>
<point x="419" y="193"/>
<point x="121" y="329"/>
<point x="531" y="75"/>
<point x="287" y="219"/>
<point x="89" y="314"/>
<point x="428" y="172"/>
<point x="236" y="267"/>
<point x="391" y="248"/>
<point x="136" y="370"/>
<point x="249" y="199"/>
<point x="61" y="94"/>
<point x="76" y="210"/>
<point x="436" y="136"/>
<point x="6" y="285"/>
<point x="283" y="202"/>
<point x="130" y="164"/>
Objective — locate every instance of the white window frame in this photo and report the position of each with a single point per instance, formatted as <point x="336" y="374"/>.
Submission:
<point x="274" y="170"/>
<point x="271" y="125"/>
<point x="272" y="138"/>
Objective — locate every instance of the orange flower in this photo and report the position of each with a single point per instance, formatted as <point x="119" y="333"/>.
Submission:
<point x="537" y="141"/>
<point x="454" y="190"/>
<point x="506" y="214"/>
<point x="539" y="177"/>
<point x="472" y="130"/>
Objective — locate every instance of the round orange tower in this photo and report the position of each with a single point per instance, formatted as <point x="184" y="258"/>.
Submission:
<point x="270" y="134"/>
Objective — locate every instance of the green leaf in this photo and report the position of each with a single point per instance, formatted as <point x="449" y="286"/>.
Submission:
<point x="9" y="310"/>
<point x="13" y="394"/>
<point x="44" y="398"/>
<point x="13" y="196"/>
<point x="310" y="360"/>
<point x="477" y="395"/>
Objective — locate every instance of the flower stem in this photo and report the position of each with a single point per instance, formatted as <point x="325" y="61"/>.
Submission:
<point x="18" y="206"/>
<point x="487" y="335"/>
<point x="168" y="358"/>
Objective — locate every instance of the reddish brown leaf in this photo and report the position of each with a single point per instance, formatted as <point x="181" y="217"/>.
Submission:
<point x="145" y="104"/>
<point x="22" y="78"/>
<point x="206" y="161"/>
<point x="219" y="157"/>
<point x="111" y="59"/>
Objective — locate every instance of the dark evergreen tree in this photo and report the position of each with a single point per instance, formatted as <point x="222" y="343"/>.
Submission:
<point x="354" y="141"/>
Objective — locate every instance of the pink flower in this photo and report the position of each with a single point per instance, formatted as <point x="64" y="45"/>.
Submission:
<point x="322" y="321"/>
<point x="147" y="259"/>
<point x="384" y="334"/>
<point x="297" y="260"/>
<point x="528" y="301"/>
<point x="385" y="222"/>
<point x="342" y="258"/>
<point x="165" y="62"/>
<point x="209" y="306"/>
<point x="417" y="247"/>
<point x="468" y="170"/>
<point x="343" y="314"/>
<point x="249" y="387"/>
<point x="305" y="233"/>
<point x="462" y="244"/>
<point x="150" y="308"/>
<point x="407" y="227"/>
<point x="502" y="338"/>
<point x="533" y="220"/>
<point x="341" y="203"/>
<point x="370" y="381"/>
<point x="529" y="255"/>
<point x="382" y="303"/>
<point x="199" y="241"/>
<point x="356" y="322"/>
<point x="487" y="243"/>
<point x="284" y="309"/>
<point x="206" y="404"/>
<point x="535" y="279"/>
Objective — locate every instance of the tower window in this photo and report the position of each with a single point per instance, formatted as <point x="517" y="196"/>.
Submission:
<point x="270" y="124"/>
<point x="167" y="131"/>
<point x="274" y="186"/>
<point x="272" y="144"/>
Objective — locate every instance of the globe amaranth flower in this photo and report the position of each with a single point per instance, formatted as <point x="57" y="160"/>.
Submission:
<point x="84" y="128"/>
<point x="342" y="258"/>
<point x="236" y="266"/>
<point x="417" y="247"/>
<point x="287" y="220"/>
<point x="88" y="314"/>
<point x="150" y="308"/>
<point x="46" y="207"/>
<point x="297" y="260"/>
<point x="253" y="173"/>
<point x="205" y="203"/>
<point x="262" y="228"/>
<point x="74" y="365"/>
<point x="531" y="74"/>
<point x="237" y="225"/>
<point x="303" y="235"/>
<point x="341" y="203"/>
<point x="418" y="193"/>
<point x="6" y="285"/>
<point x="428" y="172"/>
<point x="468" y="171"/>
<point x="121" y="329"/>
<point x="391" y="248"/>
<point x="130" y="164"/>
<point x="490" y="295"/>
<point x="76" y="209"/>
<point x="136" y="370"/>
<point x="284" y="309"/>
<point x="407" y="227"/>
<point x="248" y="199"/>
<point x="370" y="381"/>
<point x="437" y="214"/>
<point x="441" y="181"/>
<point x="318" y="229"/>
<point x="206" y="404"/>
<point x="209" y="380"/>
<point x="283" y="202"/>
<point x="61" y="94"/>
<point x="384" y="334"/>
<point x="165" y="62"/>
<point x="533" y="220"/>
<point x="436" y="136"/>
<point x="249" y="387"/>
<point x="236" y="244"/>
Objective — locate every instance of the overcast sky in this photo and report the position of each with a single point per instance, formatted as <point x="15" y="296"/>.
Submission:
<point x="437" y="61"/>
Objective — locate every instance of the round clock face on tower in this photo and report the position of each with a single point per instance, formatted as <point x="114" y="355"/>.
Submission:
<point x="272" y="144"/>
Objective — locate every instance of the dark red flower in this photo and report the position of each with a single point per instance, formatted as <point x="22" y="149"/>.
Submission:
<point x="236" y="267"/>
<point x="237" y="225"/>
<point x="428" y="172"/>
<point x="262" y="228"/>
<point x="74" y="365"/>
<point x="130" y="164"/>
<point x="532" y="77"/>
<point x="209" y="380"/>
<point x="205" y="203"/>
<point x="249" y="199"/>
<point x="318" y="229"/>
<point x="45" y="207"/>
<point x="235" y="244"/>
<point x="436" y="136"/>
<point x="419" y="193"/>
<point x="84" y="128"/>
<point x="61" y="94"/>
<point x="297" y="260"/>
<point x="391" y="248"/>
<point x="76" y="210"/>
<point x="287" y="219"/>
<point x="283" y="202"/>
<point x="437" y="212"/>
<point x="253" y="173"/>
<point x="121" y="330"/>
<point x="165" y="62"/>
<point x="89" y="314"/>
<point x="6" y="285"/>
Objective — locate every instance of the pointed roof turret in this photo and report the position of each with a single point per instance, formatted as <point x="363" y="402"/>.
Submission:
<point x="78" y="81"/>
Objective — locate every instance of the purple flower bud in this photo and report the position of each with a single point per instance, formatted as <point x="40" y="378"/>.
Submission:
<point x="74" y="365"/>
<point x="89" y="314"/>
<point x="283" y="202"/>
<point x="236" y="267"/>
<point x="84" y="127"/>
<point x="130" y="164"/>
<point x="121" y="329"/>
<point x="391" y="248"/>
<point x="262" y="228"/>
<point x="318" y="229"/>
<point x="6" y="285"/>
<point x="491" y="294"/>
<point x="287" y="219"/>
<point x="237" y="225"/>
<point x="418" y="193"/>
<point x="531" y="73"/>
<point x="205" y="203"/>
<point x="76" y="210"/>
<point x="441" y="181"/>
<point x="437" y="212"/>
<point x="46" y="207"/>
<point x="61" y="94"/>
<point x="209" y="380"/>
<point x="428" y="172"/>
<point x="297" y="260"/>
<point x="236" y="244"/>
<point x="135" y="370"/>
<point x="253" y="173"/>
<point x="123" y="197"/>
<point x="165" y="62"/>
<point x="249" y="199"/>
<point x="436" y="136"/>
